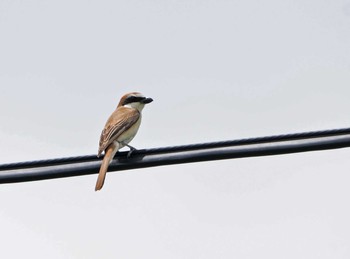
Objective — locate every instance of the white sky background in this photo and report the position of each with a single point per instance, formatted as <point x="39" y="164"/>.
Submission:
<point x="217" y="70"/>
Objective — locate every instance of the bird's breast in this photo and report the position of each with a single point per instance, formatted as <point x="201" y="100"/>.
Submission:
<point x="129" y="134"/>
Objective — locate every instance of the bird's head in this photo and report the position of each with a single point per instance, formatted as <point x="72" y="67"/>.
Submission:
<point x="134" y="100"/>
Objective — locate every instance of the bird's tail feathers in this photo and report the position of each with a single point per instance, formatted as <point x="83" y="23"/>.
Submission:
<point x="109" y="154"/>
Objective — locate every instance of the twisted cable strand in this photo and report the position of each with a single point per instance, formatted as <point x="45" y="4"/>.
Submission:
<point x="180" y="148"/>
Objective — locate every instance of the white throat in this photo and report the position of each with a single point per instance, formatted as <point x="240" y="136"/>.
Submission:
<point x="136" y="105"/>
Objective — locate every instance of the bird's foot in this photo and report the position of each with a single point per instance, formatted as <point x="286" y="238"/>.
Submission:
<point x="132" y="149"/>
<point x="130" y="152"/>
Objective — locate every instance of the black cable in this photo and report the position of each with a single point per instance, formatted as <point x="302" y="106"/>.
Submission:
<point x="261" y="146"/>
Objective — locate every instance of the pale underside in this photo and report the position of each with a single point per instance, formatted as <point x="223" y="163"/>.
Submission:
<point x="121" y="126"/>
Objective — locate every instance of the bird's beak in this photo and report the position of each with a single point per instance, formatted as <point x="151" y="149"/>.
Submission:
<point x="147" y="100"/>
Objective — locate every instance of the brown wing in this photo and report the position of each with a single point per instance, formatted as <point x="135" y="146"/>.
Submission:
<point x="120" y="121"/>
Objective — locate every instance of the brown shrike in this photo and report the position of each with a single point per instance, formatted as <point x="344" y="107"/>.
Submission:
<point x="121" y="127"/>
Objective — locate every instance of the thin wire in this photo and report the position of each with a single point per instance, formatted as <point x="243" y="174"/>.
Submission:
<point x="260" y="146"/>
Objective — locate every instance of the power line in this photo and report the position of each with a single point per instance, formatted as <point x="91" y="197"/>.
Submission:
<point x="252" y="147"/>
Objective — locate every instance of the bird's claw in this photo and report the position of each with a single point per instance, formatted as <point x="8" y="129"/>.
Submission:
<point x="130" y="153"/>
<point x="132" y="149"/>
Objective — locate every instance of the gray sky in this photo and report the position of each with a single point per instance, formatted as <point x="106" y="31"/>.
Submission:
<point x="217" y="70"/>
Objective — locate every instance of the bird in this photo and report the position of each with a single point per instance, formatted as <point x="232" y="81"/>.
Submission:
<point x="120" y="128"/>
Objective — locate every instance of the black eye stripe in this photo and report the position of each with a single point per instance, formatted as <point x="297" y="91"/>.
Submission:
<point x="132" y="99"/>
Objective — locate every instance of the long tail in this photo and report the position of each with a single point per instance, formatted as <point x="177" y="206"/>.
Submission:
<point x="109" y="154"/>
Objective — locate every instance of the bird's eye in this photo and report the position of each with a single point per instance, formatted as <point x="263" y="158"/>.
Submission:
<point x="130" y="99"/>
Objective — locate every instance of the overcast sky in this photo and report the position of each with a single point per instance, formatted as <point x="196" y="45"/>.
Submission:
<point x="217" y="70"/>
